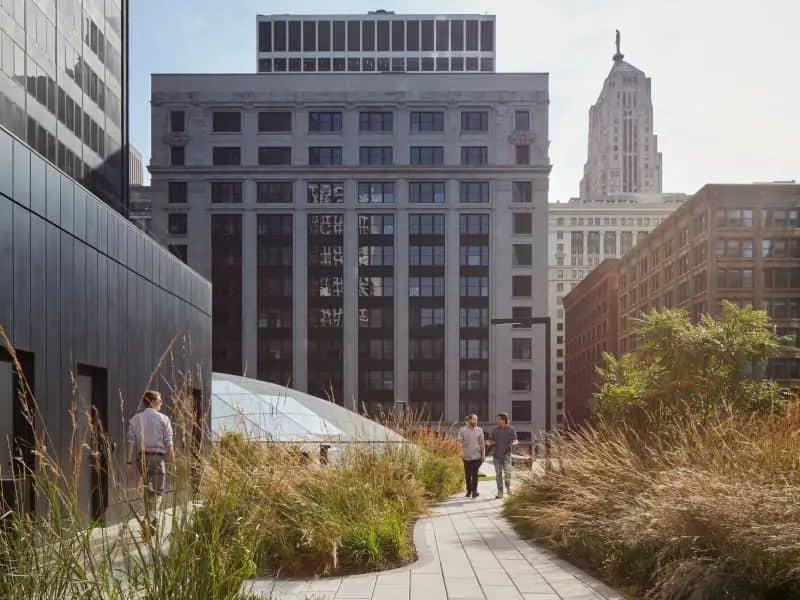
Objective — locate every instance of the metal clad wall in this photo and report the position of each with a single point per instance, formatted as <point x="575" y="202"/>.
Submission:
<point x="79" y="284"/>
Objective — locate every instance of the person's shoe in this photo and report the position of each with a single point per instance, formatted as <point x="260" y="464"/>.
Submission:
<point x="469" y="495"/>
<point x="475" y="494"/>
<point x="499" y="496"/>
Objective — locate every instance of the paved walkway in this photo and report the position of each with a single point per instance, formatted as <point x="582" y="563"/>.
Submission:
<point x="467" y="550"/>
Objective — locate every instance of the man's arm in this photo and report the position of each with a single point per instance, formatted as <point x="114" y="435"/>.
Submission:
<point x="168" y="445"/>
<point x="483" y="446"/>
<point x="130" y="455"/>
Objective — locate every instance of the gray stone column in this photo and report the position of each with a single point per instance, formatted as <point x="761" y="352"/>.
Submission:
<point x="249" y="282"/>
<point x="451" y="322"/>
<point x="401" y="316"/>
<point x="300" y="289"/>
<point x="350" y="273"/>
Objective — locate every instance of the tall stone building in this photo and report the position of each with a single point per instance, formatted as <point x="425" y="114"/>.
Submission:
<point x="361" y="229"/>
<point x="623" y="148"/>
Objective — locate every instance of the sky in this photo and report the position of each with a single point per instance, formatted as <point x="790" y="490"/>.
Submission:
<point x="725" y="78"/>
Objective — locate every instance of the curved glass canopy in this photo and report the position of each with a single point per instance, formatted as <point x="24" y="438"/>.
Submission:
<point x="268" y="412"/>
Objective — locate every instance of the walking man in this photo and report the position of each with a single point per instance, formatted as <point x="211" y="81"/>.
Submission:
<point x="473" y="447"/>
<point x="503" y="439"/>
<point x="150" y="446"/>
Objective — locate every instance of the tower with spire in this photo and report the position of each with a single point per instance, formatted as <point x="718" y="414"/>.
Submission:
<point x="623" y="154"/>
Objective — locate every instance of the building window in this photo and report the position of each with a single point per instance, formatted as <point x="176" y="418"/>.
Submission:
<point x="523" y="154"/>
<point x="325" y="121"/>
<point x="522" y="223"/>
<point x="325" y="193"/>
<point x="426" y="224"/>
<point x="782" y="278"/>
<point x="781" y="217"/>
<point x="427" y="155"/>
<point x="521" y="349"/>
<point x="426" y="287"/>
<point x="227" y="155"/>
<point x="180" y="251"/>
<point x="427" y="121"/>
<point x="473" y="379"/>
<point x="473" y="349"/>
<point x="376" y="192"/>
<point x="177" y="223"/>
<point x="487" y="36"/>
<point x="474" y="155"/>
<point x="474" y="192"/>
<point x="474" y="256"/>
<point x="426" y="192"/>
<point x="522" y="255"/>
<point x="375" y="120"/>
<point x="474" y="224"/>
<point x="521" y="286"/>
<point x="522" y="191"/>
<point x="274" y="121"/>
<point x="473" y="318"/>
<point x="734" y="278"/>
<point x="780" y="248"/>
<point x="426" y="256"/>
<point x="474" y="121"/>
<point x="177" y="156"/>
<point x="226" y="121"/>
<point x="375" y="155"/>
<point x="521" y="380"/>
<point x="177" y="120"/>
<point x="522" y="120"/>
<point x="520" y="314"/>
<point x="325" y="155"/>
<point x="272" y="155"/>
<point x="521" y="411"/>
<point x="226" y="192"/>
<point x="274" y="192"/>
<point x="177" y="192"/>
<point x="734" y="217"/>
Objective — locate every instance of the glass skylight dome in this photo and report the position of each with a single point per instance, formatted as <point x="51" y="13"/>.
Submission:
<point x="268" y="412"/>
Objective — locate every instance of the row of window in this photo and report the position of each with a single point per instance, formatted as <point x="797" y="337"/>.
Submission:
<point x="381" y="64"/>
<point x="369" y="192"/>
<point x="770" y="248"/>
<point x="412" y="35"/>
<point x="327" y="156"/>
<point x="771" y="217"/>
<point x="472" y="121"/>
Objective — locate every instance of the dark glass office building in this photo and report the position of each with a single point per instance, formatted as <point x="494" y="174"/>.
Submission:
<point x="89" y="303"/>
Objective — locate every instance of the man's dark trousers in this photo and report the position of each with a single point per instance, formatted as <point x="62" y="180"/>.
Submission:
<point x="471" y="475"/>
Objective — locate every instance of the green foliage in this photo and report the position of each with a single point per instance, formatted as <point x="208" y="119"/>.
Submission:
<point x="705" y="367"/>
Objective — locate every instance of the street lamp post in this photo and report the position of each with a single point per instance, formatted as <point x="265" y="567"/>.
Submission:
<point x="527" y="322"/>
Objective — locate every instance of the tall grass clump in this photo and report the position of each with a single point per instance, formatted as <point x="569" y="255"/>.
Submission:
<point x="693" y="494"/>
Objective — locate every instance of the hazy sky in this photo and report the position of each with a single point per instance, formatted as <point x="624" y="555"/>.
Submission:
<point x="726" y="83"/>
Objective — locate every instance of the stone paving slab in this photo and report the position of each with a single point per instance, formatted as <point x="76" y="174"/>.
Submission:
<point x="466" y="551"/>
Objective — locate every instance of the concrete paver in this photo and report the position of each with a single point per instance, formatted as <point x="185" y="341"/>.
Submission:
<point x="466" y="551"/>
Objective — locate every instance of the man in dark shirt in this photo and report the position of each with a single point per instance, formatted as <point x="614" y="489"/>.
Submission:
<point x="502" y="439"/>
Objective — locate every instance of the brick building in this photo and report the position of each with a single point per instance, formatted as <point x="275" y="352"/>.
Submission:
<point x="591" y="329"/>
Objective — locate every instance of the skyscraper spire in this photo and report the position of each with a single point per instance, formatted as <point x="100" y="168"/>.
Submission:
<point x="619" y="55"/>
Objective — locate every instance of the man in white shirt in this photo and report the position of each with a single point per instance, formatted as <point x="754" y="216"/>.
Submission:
<point x="150" y="445"/>
<point x="473" y="448"/>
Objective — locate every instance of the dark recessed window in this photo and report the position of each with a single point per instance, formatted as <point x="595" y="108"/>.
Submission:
<point x="338" y="36"/>
<point x="427" y="121"/>
<point x="412" y="63"/>
<point x="325" y="121"/>
<point x="427" y="155"/>
<point x="280" y="65"/>
<point x="522" y="255"/>
<point x="473" y="224"/>
<point x="474" y="120"/>
<point x="522" y="191"/>
<point x="226" y="192"/>
<point x="474" y="155"/>
<point x="368" y="64"/>
<point x="521" y="286"/>
<point x="295" y="65"/>
<point x="227" y="121"/>
<point x="354" y="36"/>
<point x="177" y="156"/>
<point x="472" y="63"/>
<point x="456" y="35"/>
<point x="376" y="192"/>
<point x="339" y="64"/>
<point x="487" y="36"/>
<point x="375" y="121"/>
<point x="521" y="380"/>
<point x="398" y="65"/>
<point x="274" y="192"/>
<point x="520" y="314"/>
<point x="294" y="36"/>
<point x="177" y="223"/>
<point x="177" y="121"/>
<point x="383" y="36"/>
<point x="522" y="120"/>
<point x="368" y="35"/>
<point x="398" y="36"/>
<point x="442" y="36"/>
<point x="426" y="224"/>
<point x="279" y="36"/>
<point x="271" y="155"/>
<point x="473" y="192"/>
<point x="521" y="349"/>
<point x="324" y="36"/>
<point x="264" y="65"/>
<point x="309" y="65"/>
<point x="325" y="193"/>
<point x="426" y="192"/>
<point x="427" y="35"/>
<point x="472" y="36"/>
<point x="324" y="64"/>
<point x="309" y="36"/>
<point x="428" y="63"/>
<point x="227" y="155"/>
<point x="353" y="64"/>
<point x="274" y="121"/>
<point x="375" y="155"/>
<point x="487" y="64"/>
<point x="521" y="411"/>
<point x="523" y="154"/>
<point x="264" y="36"/>
<point x="412" y="36"/>
<point x="442" y="63"/>
<point x="325" y="155"/>
<point x="177" y="192"/>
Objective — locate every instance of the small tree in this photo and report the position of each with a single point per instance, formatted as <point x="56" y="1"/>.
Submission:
<point x="716" y="364"/>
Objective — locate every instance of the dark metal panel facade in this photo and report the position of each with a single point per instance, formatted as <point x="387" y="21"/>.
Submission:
<point x="22" y="276"/>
